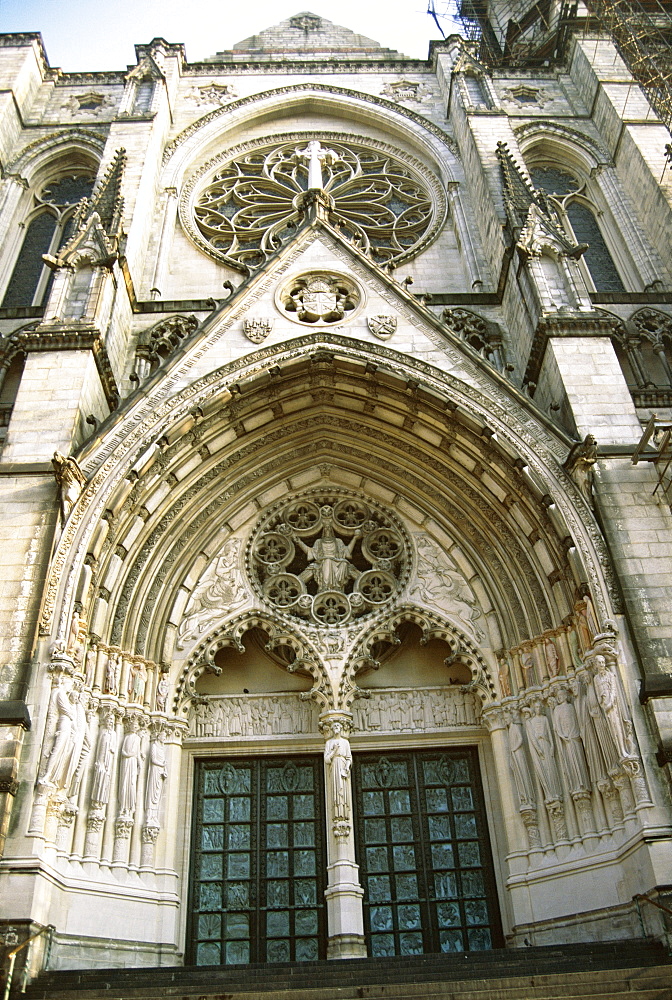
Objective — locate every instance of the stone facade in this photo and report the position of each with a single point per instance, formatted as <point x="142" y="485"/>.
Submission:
<point x="324" y="378"/>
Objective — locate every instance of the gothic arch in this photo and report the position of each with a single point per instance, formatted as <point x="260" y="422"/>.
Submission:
<point x="204" y="137"/>
<point x="463" y="650"/>
<point x="129" y="544"/>
<point x="297" y="655"/>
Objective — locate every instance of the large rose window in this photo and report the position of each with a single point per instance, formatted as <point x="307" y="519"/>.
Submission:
<point x="328" y="558"/>
<point x="246" y="208"/>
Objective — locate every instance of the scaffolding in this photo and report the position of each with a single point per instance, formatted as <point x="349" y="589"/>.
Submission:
<point x="528" y="33"/>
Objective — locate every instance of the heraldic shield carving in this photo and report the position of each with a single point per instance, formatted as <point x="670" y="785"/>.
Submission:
<point x="320" y="298"/>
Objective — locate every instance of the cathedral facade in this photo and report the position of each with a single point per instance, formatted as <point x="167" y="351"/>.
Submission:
<point x="335" y="608"/>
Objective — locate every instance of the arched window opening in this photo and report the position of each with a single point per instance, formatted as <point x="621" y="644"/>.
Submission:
<point x="9" y="391"/>
<point x="143" y="96"/>
<point x="48" y="230"/>
<point x="581" y="222"/>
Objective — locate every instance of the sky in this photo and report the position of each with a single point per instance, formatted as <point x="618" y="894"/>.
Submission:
<point x="81" y="35"/>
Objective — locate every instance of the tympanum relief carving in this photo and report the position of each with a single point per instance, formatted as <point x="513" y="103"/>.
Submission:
<point x="328" y="559"/>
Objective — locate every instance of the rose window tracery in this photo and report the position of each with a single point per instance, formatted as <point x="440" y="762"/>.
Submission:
<point x="251" y="205"/>
<point x="328" y="558"/>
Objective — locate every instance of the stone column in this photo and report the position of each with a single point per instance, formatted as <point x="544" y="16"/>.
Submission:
<point x="344" y="893"/>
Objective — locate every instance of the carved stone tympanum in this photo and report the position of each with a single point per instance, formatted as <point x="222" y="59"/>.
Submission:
<point x="328" y="558"/>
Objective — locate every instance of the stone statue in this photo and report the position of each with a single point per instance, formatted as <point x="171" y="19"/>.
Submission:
<point x="579" y="464"/>
<point x="90" y="665"/>
<point x="70" y="479"/>
<point x="69" y="739"/>
<point x="136" y="683"/>
<point x="570" y="747"/>
<point x="131" y="759"/>
<point x="330" y="565"/>
<point x="540" y="740"/>
<point x="606" y="691"/>
<point x="519" y="766"/>
<point x="112" y="672"/>
<point x="162" y="689"/>
<point x="600" y="752"/>
<point x="104" y="763"/>
<point x="156" y="778"/>
<point x="338" y="757"/>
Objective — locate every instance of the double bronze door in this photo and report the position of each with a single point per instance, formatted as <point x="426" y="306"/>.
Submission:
<point x="259" y="857"/>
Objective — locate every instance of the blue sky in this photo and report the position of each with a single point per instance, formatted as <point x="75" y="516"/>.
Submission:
<point x="99" y="34"/>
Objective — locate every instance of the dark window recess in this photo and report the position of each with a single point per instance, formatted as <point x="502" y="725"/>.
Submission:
<point x="143" y="96"/>
<point x="424" y="854"/>
<point x="29" y="264"/>
<point x="598" y="260"/>
<point x="258" y="862"/>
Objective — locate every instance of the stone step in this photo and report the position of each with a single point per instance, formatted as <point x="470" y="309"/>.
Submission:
<point x="598" y="969"/>
<point x="615" y="954"/>
<point x="651" y="984"/>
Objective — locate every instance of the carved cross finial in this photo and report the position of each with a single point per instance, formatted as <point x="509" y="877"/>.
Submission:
<point x="316" y="156"/>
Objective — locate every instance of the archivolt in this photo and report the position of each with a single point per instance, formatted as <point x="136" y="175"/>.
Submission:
<point x="211" y="466"/>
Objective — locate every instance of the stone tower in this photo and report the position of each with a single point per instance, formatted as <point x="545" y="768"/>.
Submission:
<point x="336" y="537"/>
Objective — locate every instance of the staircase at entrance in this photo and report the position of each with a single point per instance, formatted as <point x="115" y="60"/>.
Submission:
<point x="597" y="971"/>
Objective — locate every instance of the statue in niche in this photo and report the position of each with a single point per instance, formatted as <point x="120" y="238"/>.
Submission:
<point x="131" y="760"/>
<point x="104" y="763"/>
<point x="551" y="657"/>
<point x="70" y="739"/>
<point x="90" y="665"/>
<point x="606" y="691"/>
<point x="162" y="689"/>
<point x="330" y="565"/>
<point x="156" y="779"/>
<point x="570" y="747"/>
<point x="519" y="766"/>
<point x="338" y="757"/>
<point x="438" y="583"/>
<point x="137" y="680"/>
<point x="542" y="751"/>
<point x="112" y="673"/>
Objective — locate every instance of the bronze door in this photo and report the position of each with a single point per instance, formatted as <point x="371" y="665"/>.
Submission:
<point x="258" y="866"/>
<point x="424" y="853"/>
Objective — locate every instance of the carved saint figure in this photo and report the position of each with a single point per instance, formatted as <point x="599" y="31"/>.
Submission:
<point x="156" y="778"/>
<point x="519" y="765"/>
<point x="90" y="665"/>
<point x="600" y="751"/>
<point x="112" y="672"/>
<point x="104" y="763"/>
<point x="136" y="683"/>
<point x="606" y="690"/>
<point x="69" y="739"/>
<point x="338" y="757"/>
<point x="330" y="565"/>
<point x="162" y="689"/>
<point x="570" y="747"/>
<point x="131" y="758"/>
<point x="540" y="740"/>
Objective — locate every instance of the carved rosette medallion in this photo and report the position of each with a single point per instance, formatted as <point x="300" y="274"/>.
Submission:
<point x="319" y="298"/>
<point x="328" y="558"/>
